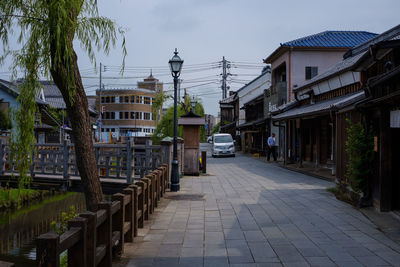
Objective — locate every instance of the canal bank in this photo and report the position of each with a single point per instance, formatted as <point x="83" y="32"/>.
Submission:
<point x="19" y="228"/>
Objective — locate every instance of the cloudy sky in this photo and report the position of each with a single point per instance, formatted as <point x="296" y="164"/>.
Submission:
<point x="244" y="32"/>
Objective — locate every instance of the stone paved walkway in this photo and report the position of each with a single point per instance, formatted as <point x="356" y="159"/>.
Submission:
<point x="250" y="213"/>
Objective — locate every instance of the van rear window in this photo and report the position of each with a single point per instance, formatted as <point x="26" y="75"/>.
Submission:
<point x="223" y="139"/>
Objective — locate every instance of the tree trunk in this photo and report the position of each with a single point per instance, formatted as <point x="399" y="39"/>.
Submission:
<point x="64" y="66"/>
<point x="78" y="115"/>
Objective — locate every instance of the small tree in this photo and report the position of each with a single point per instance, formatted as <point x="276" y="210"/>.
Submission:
<point x="360" y="148"/>
<point x="47" y="32"/>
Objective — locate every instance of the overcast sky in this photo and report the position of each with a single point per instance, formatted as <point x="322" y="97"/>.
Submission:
<point x="205" y="30"/>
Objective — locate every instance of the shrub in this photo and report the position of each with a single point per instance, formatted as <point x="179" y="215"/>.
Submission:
<point x="360" y="148"/>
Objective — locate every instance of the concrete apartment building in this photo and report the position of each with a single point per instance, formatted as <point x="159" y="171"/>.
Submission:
<point x="128" y="112"/>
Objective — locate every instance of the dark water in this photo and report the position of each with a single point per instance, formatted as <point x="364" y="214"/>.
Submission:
<point x="18" y="229"/>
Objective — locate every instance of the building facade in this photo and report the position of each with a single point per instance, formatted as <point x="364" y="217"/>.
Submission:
<point x="297" y="62"/>
<point x="128" y="112"/>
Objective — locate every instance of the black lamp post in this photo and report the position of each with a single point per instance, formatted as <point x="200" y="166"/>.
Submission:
<point x="175" y="64"/>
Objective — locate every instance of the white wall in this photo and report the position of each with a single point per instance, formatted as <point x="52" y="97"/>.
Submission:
<point x="251" y="91"/>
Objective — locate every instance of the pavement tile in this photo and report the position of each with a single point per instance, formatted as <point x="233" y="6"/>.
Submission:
<point x="257" y="214"/>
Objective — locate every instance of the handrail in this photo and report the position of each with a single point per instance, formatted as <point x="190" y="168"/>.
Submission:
<point x="91" y="240"/>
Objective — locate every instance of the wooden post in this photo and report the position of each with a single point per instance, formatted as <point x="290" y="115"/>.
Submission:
<point x="118" y="221"/>
<point x="318" y="143"/>
<point x="162" y="181"/>
<point x="47" y="250"/>
<point x="77" y="253"/>
<point x="91" y="221"/>
<point x="104" y="235"/>
<point x="146" y="196"/>
<point x="204" y="161"/>
<point x="128" y="162"/>
<point x="152" y="190"/>
<point x="135" y="208"/>
<point x="130" y="214"/>
<point x="301" y="148"/>
<point x="141" y="202"/>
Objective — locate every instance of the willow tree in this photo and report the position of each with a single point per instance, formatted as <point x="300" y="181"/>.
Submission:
<point x="46" y="31"/>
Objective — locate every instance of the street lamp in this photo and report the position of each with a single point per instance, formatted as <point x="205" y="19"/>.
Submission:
<point x="175" y="64"/>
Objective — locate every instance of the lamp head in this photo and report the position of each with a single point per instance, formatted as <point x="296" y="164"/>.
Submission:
<point x="175" y="64"/>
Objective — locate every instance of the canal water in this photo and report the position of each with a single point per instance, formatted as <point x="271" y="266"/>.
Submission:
<point x="18" y="229"/>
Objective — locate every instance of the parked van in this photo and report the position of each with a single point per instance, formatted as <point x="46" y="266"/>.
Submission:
<point x="222" y="145"/>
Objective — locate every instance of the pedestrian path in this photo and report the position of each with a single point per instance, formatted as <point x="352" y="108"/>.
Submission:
<point x="250" y="213"/>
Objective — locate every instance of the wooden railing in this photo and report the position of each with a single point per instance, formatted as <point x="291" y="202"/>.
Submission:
<point x="116" y="161"/>
<point x="93" y="238"/>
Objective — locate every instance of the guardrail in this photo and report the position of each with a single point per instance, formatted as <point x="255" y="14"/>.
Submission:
<point x="93" y="238"/>
<point x="119" y="161"/>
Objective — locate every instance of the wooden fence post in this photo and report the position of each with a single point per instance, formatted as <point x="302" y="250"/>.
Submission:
<point x="146" y="197"/>
<point x="90" y="237"/>
<point x="47" y="250"/>
<point x="104" y="235"/>
<point x="130" y="214"/>
<point x="77" y="253"/>
<point x="204" y="161"/>
<point x="135" y="207"/>
<point x="141" y="202"/>
<point x="118" y="221"/>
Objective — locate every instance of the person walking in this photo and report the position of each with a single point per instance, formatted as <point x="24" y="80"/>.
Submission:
<point x="271" y="147"/>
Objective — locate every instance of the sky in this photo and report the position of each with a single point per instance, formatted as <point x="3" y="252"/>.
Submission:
<point x="203" y="31"/>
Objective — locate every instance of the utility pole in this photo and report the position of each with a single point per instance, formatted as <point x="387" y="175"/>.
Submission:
<point x="225" y="74"/>
<point x="100" y="110"/>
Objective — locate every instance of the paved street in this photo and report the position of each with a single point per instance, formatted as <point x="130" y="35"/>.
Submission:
<point x="250" y="213"/>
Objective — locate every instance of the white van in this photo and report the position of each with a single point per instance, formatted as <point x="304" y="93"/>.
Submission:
<point x="222" y="145"/>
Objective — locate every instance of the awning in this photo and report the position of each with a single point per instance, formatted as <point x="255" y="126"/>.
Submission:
<point x="321" y="107"/>
<point x="252" y="123"/>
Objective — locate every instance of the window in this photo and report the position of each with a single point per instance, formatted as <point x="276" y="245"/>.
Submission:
<point x="126" y="98"/>
<point x="139" y="115"/>
<point x="139" y="99"/>
<point x="146" y="116"/>
<point x="132" y="99"/>
<point x="126" y="115"/>
<point x="113" y="99"/>
<point x="311" y="72"/>
<point x="103" y="99"/>
<point x="109" y="115"/>
<point x="132" y="115"/>
<point x="146" y="100"/>
<point x="121" y="99"/>
<point x="121" y="115"/>
<point x="107" y="99"/>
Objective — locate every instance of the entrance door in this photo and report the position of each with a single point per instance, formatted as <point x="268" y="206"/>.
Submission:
<point x="395" y="169"/>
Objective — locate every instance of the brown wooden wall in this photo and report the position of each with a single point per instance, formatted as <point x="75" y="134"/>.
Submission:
<point x="341" y="137"/>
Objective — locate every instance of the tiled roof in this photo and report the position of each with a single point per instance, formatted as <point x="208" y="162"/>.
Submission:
<point x="321" y="107"/>
<point x="332" y="39"/>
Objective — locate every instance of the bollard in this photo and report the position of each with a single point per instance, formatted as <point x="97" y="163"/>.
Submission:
<point x="204" y="161"/>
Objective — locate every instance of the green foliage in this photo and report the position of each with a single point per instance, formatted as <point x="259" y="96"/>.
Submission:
<point x="215" y="129"/>
<point x="157" y="104"/>
<point x="165" y="127"/>
<point x="46" y="30"/>
<point x="360" y="148"/>
<point x="62" y="226"/>
<point x="13" y="198"/>
<point x="5" y="122"/>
